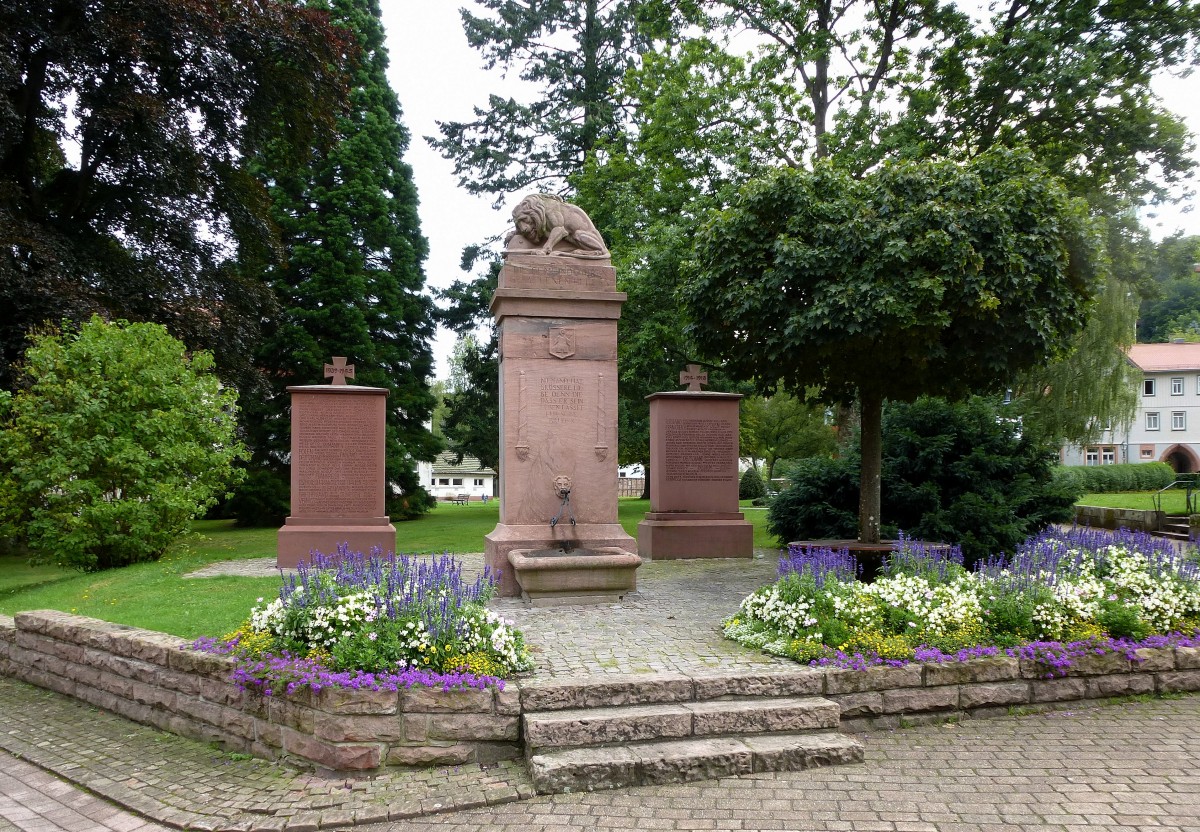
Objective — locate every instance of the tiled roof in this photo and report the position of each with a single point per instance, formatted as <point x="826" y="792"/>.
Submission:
<point x="444" y="464"/>
<point x="1155" y="358"/>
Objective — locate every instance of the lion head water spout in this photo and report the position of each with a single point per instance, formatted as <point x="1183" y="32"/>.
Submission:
<point x="562" y="487"/>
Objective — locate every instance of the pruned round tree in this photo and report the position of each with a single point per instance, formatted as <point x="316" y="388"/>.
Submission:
<point x="934" y="278"/>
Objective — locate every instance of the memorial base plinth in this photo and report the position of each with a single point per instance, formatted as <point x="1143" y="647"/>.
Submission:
<point x="548" y="577"/>
<point x="508" y="538"/>
<point x="297" y="540"/>
<point x="671" y="535"/>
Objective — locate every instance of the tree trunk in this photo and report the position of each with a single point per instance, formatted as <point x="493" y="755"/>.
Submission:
<point x="871" y="421"/>
<point x="646" y="481"/>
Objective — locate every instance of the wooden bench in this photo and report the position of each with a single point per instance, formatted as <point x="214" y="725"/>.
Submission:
<point x="461" y="499"/>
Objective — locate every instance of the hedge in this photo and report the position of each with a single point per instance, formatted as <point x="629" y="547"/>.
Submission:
<point x="1104" y="479"/>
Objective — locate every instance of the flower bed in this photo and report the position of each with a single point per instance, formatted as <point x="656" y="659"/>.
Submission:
<point x="1063" y="595"/>
<point x="377" y="623"/>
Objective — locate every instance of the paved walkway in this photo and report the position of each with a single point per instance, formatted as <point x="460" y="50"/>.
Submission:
<point x="1125" y="767"/>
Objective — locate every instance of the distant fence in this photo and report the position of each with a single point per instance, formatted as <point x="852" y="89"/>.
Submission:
<point x="630" y="486"/>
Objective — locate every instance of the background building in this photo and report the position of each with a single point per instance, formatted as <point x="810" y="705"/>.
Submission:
<point x="447" y="481"/>
<point x="1167" y="425"/>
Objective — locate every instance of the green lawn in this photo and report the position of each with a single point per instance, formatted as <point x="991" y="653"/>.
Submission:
<point x="1173" y="501"/>
<point x="156" y="596"/>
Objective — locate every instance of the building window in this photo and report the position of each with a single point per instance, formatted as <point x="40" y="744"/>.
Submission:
<point x="1100" y="455"/>
<point x="1091" y="456"/>
<point x="1152" y="421"/>
<point x="1108" y="455"/>
<point x="1148" y="387"/>
<point x="1178" y="420"/>
<point x="1176" y="387"/>
<point x="479" y="481"/>
<point x="1146" y="452"/>
<point x="444" y="481"/>
<point x="457" y="481"/>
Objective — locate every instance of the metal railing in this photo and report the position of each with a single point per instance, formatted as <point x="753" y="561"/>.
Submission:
<point x="1189" y="495"/>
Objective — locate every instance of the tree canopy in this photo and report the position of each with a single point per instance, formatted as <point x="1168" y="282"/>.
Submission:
<point x="938" y="278"/>
<point x="122" y="131"/>
<point x="857" y="82"/>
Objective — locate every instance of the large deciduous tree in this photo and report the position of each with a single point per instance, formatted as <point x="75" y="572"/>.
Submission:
<point x="783" y="426"/>
<point x="1173" y="298"/>
<point x="352" y="281"/>
<point x="122" y="131"/>
<point x="918" y="279"/>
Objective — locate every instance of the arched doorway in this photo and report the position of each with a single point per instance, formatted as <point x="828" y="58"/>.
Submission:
<point x="1181" y="458"/>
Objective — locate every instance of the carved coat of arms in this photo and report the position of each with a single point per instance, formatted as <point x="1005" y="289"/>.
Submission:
<point x="562" y="341"/>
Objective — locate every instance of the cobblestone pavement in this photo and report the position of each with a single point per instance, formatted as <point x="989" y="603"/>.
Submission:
<point x="33" y="800"/>
<point x="1122" y="768"/>
<point x="1129" y="767"/>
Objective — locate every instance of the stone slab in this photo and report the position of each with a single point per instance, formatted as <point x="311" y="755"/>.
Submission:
<point x="763" y="715"/>
<point x="694" y="452"/>
<point x="599" y="726"/>
<point x="792" y="752"/>
<point x="610" y="691"/>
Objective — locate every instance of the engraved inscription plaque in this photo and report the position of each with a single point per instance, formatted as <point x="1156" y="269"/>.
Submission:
<point x="339" y="472"/>
<point x="561" y="398"/>
<point x="701" y="450"/>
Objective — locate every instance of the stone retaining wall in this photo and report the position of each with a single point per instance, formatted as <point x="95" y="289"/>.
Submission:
<point x="887" y="697"/>
<point x="147" y="677"/>
<point x="1104" y="517"/>
<point x="156" y="679"/>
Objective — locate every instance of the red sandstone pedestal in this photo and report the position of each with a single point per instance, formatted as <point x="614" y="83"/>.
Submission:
<point x="694" y="479"/>
<point x="337" y="473"/>
<point x="556" y="321"/>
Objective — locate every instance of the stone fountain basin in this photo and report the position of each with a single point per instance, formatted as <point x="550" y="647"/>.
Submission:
<point x="581" y="576"/>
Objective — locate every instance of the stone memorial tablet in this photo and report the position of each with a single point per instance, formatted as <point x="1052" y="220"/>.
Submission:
<point x="337" y="470"/>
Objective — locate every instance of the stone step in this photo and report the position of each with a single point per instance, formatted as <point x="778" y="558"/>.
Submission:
<point x="634" y="723"/>
<point x="680" y="761"/>
<point x="1172" y="535"/>
<point x="557" y="694"/>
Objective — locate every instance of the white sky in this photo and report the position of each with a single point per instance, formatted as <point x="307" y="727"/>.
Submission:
<point x="438" y="77"/>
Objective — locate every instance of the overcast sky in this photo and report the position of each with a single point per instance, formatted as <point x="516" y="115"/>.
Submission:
<point x="438" y="77"/>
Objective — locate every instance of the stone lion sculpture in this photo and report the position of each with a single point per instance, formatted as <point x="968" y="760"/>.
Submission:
<point x="545" y="221"/>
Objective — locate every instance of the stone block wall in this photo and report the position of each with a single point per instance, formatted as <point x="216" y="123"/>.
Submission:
<point x="157" y="680"/>
<point x="1104" y="517"/>
<point x="888" y="697"/>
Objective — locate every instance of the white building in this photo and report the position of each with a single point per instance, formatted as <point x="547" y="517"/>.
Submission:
<point x="1167" y="425"/>
<point x="447" y="481"/>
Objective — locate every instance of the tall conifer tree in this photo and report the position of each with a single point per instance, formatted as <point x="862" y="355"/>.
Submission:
<point x="352" y="283"/>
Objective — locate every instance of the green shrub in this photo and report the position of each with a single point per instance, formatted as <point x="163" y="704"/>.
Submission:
<point x="1107" y="479"/>
<point x="821" y="503"/>
<point x="751" y="487"/>
<point x="954" y="473"/>
<point x="263" y="499"/>
<point x="118" y="440"/>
